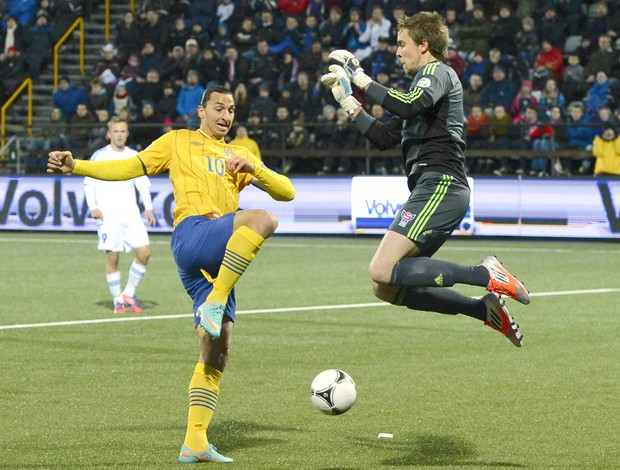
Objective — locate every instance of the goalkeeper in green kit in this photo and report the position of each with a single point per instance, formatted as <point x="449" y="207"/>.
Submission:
<point x="428" y="123"/>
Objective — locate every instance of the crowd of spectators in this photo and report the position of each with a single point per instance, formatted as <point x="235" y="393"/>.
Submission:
<point x="537" y="75"/>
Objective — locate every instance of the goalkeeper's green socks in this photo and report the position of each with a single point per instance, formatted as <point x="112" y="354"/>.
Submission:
<point x="204" y="389"/>
<point x="241" y="250"/>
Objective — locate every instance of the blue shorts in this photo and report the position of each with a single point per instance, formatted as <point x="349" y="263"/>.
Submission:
<point x="198" y="243"/>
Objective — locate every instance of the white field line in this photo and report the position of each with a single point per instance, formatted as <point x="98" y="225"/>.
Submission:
<point x="271" y="310"/>
<point x="355" y="246"/>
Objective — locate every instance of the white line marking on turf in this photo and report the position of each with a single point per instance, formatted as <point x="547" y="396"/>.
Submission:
<point x="272" y="310"/>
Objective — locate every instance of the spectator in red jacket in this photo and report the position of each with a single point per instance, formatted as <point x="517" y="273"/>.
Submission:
<point x="549" y="63"/>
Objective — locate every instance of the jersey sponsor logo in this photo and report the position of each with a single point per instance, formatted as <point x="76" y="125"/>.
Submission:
<point x="423" y="83"/>
<point x="229" y="153"/>
<point x="405" y="218"/>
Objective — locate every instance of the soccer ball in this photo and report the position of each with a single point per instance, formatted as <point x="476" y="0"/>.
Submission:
<point x="333" y="392"/>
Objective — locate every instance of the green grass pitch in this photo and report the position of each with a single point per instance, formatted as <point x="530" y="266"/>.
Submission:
<point x="454" y="394"/>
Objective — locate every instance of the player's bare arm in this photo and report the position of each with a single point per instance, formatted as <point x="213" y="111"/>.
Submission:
<point x="60" y="161"/>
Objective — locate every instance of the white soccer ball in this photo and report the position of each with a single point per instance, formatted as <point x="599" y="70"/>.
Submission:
<point x="333" y="392"/>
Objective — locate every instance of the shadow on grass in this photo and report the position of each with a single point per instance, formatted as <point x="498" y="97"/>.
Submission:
<point x="430" y="450"/>
<point x="241" y="434"/>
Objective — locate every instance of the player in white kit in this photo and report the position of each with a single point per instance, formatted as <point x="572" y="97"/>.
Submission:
<point x="120" y="225"/>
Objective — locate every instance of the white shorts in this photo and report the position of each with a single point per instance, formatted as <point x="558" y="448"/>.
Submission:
<point x="122" y="237"/>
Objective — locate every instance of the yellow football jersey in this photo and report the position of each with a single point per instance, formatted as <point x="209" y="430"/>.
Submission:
<point x="196" y="165"/>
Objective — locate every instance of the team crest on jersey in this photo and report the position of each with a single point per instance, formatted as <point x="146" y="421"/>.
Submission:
<point x="405" y="218"/>
<point x="423" y="83"/>
<point x="195" y="142"/>
<point x="229" y="153"/>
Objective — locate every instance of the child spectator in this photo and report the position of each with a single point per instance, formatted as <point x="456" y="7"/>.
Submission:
<point x="472" y="93"/>
<point x="99" y="97"/>
<point x="606" y="150"/>
<point x="550" y="97"/>
<point x="580" y="136"/>
<point x="549" y="63"/>
<point x="600" y="94"/>
<point x="523" y="99"/>
<point x="477" y="137"/>
<point x="573" y="85"/>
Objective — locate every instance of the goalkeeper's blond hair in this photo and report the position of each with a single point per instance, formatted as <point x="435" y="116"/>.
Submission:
<point x="430" y="27"/>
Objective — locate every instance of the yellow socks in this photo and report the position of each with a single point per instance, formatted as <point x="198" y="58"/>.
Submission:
<point x="204" y="389"/>
<point x="241" y="250"/>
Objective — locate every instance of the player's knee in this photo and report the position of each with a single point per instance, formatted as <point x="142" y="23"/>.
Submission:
<point x="270" y="221"/>
<point x="379" y="274"/>
<point x="383" y="293"/>
<point x="143" y="255"/>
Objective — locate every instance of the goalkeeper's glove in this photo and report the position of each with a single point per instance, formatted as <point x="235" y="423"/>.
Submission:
<point x="352" y="67"/>
<point x="340" y="85"/>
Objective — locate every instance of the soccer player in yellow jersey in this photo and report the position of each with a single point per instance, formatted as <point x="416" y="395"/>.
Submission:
<point x="212" y="243"/>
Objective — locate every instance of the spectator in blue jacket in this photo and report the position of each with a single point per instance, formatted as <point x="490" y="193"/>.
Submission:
<point x="67" y="97"/>
<point x="499" y="91"/>
<point x="188" y="98"/>
<point x="580" y="136"/>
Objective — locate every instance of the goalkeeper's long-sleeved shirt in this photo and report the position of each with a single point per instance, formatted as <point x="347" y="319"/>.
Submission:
<point x="428" y="122"/>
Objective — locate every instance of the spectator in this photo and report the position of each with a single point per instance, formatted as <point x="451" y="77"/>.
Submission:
<point x="264" y="104"/>
<point x="12" y="34"/>
<point x="560" y="138"/>
<point x="604" y="117"/>
<point x="225" y="12"/>
<point x="209" y="67"/>
<point x="550" y="97"/>
<point x="476" y="64"/>
<point x="290" y="38"/>
<point x="98" y="134"/>
<point x="455" y="61"/>
<point x="349" y="139"/>
<point x="150" y="59"/>
<point x="505" y="30"/>
<point x="527" y="41"/>
<point x="523" y="99"/>
<point x="580" y="136"/>
<point x="601" y="24"/>
<point x="235" y="68"/>
<point x="179" y="34"/>
<point x="23" y="11"/>
<point x="67" y="97"/>
<point x="377" y="26"/>
<point x="499" y="91"/>
<point x="383" y="59"/>
<point x="242" y="139"/>
<point x="245" y="37"/>
<point x="477" y="137"/>
<point x="571" y="12"/>
<point x="221" y="40"/>
<point x="543" y="140"/>
<point x="12" y="73"/>
<point x="603" y="59"/>
<point x="311" y="60"/>
<point x="154" y="30"/>
<point x="453" y="22"/>
<point x="266" y="30"/>
<point x="108" y="68"/>
<point x="289" y="68"/>
<point x="192" y="54"/>
<point x="472" y="94"/>
<point x="476" y="31"/>
<point x="203" y="12"/>
<point x="131" y="70"/>
<point x="606" y="150"/>
<point x="551" y="28"/>
<point x="298" y="140"/>
<point x="150" y="88"/>
<point x="500" y="130"/>
<point x="305" y="96"/>
<point x="189" y="95"/>
<point x="146" y="127"/>
<point x="275" y="136"/>
<point x="549" y="63"/>
<point x="600" y="94"/>
<point x="263" y="68"/>
<point x="325" y="138"/>
<point x="256" y="130"/>
<point x="99" y="96"/>
<point x="167" y="104"/>
<point x="331" y="29"/>
<point x="352" y="31"/>
<point x="310" y="33"/>
<point x="50" y="136"/>
<point x="242" y="103"/>
<point x="316" y="8"/>
<point x="524" y="129"/>
<point x="573" y="85"/>
<point x="79" y="129"/>
<point x="496" y="58"/>
<point x="127" y="39"/>
<point x="121" y="100"/>
<point x="173" y="67"/>
<point x="39" y="42"/>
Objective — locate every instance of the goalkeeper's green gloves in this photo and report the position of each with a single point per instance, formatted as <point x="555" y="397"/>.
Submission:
<point x="340" y="86"/>
<point x="352" y="67"/>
